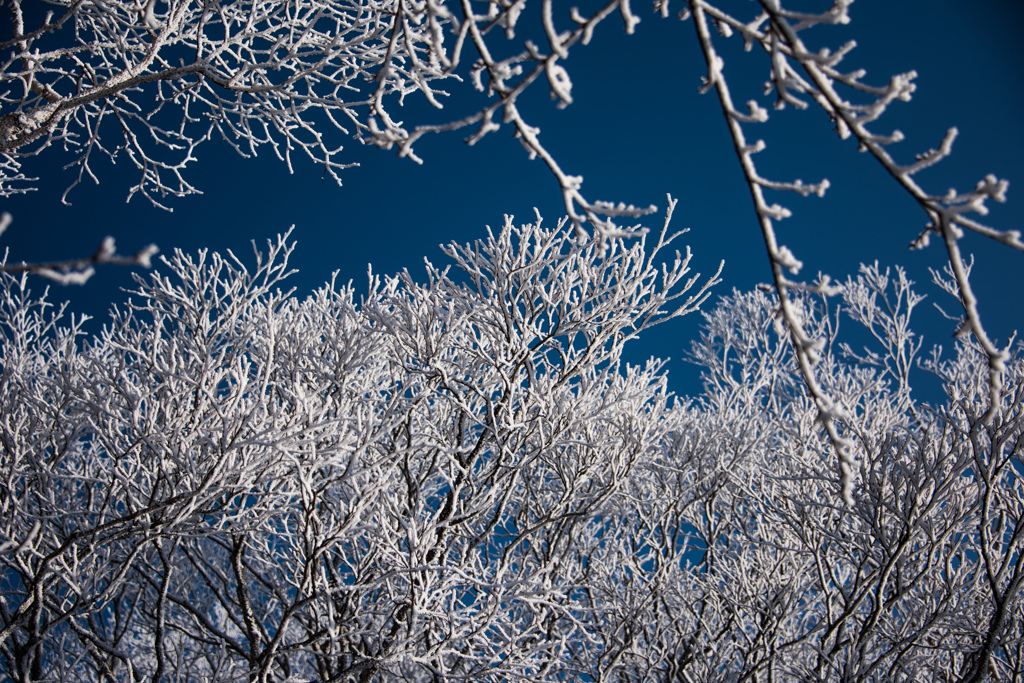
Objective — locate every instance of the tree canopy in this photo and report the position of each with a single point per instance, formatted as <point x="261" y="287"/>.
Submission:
<point x="462" y="477"/>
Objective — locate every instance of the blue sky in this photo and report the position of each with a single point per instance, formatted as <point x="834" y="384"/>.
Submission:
<point x="637" y="129"/>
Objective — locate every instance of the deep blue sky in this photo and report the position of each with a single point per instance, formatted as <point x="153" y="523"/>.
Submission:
<point x="636" y="130"/>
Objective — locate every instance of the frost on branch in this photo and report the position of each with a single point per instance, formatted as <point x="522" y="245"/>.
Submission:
<point x="151" y="82"/>
<point x="77" y="271"/>
<point x="799" y="76"/>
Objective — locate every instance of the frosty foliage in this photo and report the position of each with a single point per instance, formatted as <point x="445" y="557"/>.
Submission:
<point x="461" y="479"/>
<point x="151" y="80"/>
<point x="458" y="478"/>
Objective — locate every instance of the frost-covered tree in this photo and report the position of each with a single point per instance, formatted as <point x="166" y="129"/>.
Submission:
<point x="745" y="564"/>
<point x="229" y="483"/>
<point x="461" y="479"/>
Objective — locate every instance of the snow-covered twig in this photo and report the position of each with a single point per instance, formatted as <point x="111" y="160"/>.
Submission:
<point x="78" y="271"/>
